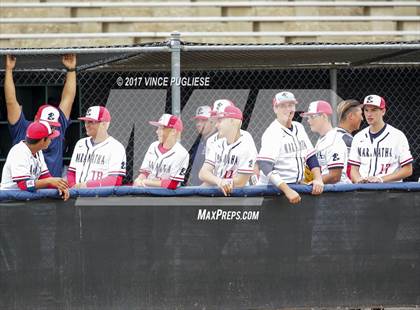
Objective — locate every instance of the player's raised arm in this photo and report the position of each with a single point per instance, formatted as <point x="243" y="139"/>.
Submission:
<point x="69" y="89"/>
<point x="12" y="105"/>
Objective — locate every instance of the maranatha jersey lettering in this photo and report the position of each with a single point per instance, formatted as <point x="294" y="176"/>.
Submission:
<point x="94" y="162"/>
<point x="230" y="159"/>
<point x="288" y="149"/>
<point x="380" y="155"/>
<point x="376" y="152"/>
<point x="171" y="165"/>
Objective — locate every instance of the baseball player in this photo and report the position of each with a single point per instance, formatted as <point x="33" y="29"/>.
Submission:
<point x="331" y="150"/>
<point x="56" y="117"/>
<point x="350" y="116"/>
<point x="230" y="161"/>
<point x="99" y="159"/>
<point x="166" y="160"/>
<point x="285" y="148"/>
<point x="25" y="167"/>
<point x="218" y="105"/>
<point x="380" y="152"/>
<point x="205" y="126"/>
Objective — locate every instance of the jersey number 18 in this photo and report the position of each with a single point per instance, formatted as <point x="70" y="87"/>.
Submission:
<point x="97" y="175"/>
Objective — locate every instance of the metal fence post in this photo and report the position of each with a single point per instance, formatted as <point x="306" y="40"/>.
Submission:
<point x="175" y="45"/>
<point x="333" y="83"/>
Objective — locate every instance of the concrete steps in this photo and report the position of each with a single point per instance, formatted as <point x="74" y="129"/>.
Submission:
<point x="396" y="12"/>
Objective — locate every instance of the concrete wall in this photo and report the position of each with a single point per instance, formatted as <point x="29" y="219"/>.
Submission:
<point x="336" y="250"/>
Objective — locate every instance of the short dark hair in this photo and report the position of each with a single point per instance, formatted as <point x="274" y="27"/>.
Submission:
<point x="346" y="107"/>
<point x="33" y="141"/>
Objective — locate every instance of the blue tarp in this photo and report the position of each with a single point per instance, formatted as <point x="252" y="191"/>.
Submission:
<point x="250" y="191"/>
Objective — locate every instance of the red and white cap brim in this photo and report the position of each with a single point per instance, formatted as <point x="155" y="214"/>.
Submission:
<point x="157" y="124"/>
<point x="201" y="117"/>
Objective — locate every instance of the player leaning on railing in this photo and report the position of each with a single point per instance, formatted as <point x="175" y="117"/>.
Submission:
<point x="285" y="149"/>
<point x="230" y="160"/>
<point x="166" y="160"/>
<point x="25" y="167"/>
<point x="379" y="153"/>
<point x="99" y="159"/>
<point x="331" y="150"/>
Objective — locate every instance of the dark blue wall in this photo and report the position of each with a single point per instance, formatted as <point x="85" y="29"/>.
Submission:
<point x="339" y="249"/>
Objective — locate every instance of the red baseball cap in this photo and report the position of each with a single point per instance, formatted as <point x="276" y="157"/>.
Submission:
<point x="375" y="100"/>
<point x="318" y="107"/>
<point x="41" y="129"/>
<point x="283" y="97"/>
<point x="49" y="114"/>
<point x="203" y="112"/>
<point x="230" y="112"/>
<point x="97" y="114"/>
<point x="219" y="105"/>
<point x="169" y="121"/>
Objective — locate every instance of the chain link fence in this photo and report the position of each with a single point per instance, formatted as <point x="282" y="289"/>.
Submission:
<point x="136" y="87"/>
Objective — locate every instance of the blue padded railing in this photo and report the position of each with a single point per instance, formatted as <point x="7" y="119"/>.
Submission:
<point x="250" y="191"/>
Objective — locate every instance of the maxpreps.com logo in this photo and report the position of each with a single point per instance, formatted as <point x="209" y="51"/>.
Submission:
<point x="227" y="215"/>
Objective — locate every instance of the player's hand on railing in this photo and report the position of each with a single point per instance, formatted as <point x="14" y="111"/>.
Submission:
<point x="69" y="61"/>
<point x="58" y="183"/>
<point x="226" y="185"/>
<point x="62" y="187"/>
<point x="317" y="186"/>
<point x="361" y="181"/>
<point x="375" y="180"/>
<point x="10" y="62"/>
<point x="139" y="182"/>
<point x="65" y="194"/>
<point x="292" y="196"/>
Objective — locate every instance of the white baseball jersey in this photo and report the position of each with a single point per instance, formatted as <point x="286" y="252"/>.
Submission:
<point x="288" y="149"/>
<point x="93" y="162"/>
<point x="171" y="165"/>
<point x="331" y="152"/>
<point x="230" y="159"/>
<point x="211" y="140"/>
<point x="380" y="154"/>
<point x="346" y="137"/>
<point x="22" y="165"/>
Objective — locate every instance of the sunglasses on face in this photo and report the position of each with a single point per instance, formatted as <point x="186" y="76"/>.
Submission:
<point x="313" y="116"/>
